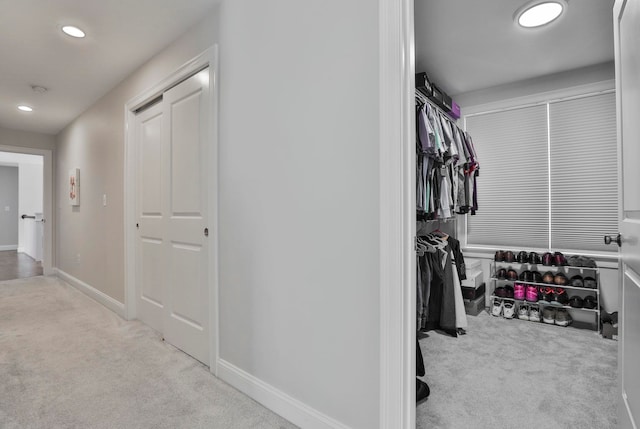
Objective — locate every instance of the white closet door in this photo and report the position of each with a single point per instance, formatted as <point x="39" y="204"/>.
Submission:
<point x="186" y="282"/>
<point x="150" y="217"/>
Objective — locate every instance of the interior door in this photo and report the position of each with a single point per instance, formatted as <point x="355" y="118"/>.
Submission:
<point x="172" y="252"/>
<point x="186" y="282"/>
<point x="150" y="217"/>
<point x="627" y="34"/>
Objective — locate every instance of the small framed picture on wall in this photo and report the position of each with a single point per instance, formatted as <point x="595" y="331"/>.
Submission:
<point x="74" y="186"/>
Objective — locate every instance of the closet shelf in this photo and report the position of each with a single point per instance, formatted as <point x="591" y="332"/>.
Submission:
<point x="589" y="289"/>
<point x="546" y="304"/>
<point x="548" y="267"/>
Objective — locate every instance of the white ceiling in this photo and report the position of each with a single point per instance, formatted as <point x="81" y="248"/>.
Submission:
<point x="467" y="45"/>
<point x="121" y="36"/>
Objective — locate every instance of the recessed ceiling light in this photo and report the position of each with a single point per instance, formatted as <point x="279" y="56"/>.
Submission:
<point x="538" y="13"/>
<point x="73" y="31"/>
<point x="25" y="108"/>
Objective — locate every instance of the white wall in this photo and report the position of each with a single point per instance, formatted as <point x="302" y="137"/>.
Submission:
<point x="298" y="209"/>
<point x="299" y="205"/>
<point x="30" y="202"/>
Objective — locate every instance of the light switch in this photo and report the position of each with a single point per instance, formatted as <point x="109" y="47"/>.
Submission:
<point x="104" y="200"/>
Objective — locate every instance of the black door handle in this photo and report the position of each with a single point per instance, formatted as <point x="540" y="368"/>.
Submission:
<point x="609" y="240"/>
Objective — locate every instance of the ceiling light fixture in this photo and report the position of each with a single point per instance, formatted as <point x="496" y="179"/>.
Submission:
<point x="73" y="31"/>
<point x="25" y="108"/>
<point x="537" y="13"/>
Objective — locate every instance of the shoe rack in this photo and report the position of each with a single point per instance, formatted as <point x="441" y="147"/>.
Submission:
<point x="572" y="307"/>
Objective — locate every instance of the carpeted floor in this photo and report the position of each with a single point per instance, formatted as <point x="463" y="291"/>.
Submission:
<point x="519" y="374"/>
<point x="68" y="362"/>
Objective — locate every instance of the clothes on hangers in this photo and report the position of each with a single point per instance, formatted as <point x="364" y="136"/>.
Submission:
<point x="440" y="269"/>
<point x="447" y="164"/>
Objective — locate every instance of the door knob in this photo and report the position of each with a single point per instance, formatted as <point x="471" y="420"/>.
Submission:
<point x="608" y="240"/>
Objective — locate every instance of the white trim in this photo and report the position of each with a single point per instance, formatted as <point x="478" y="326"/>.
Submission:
<point x="397" y="215"/>
<point x="9" y="247"/>
<point x="554" y="96"/>
<point x="276" y="400"/>
<point x="208" y="58"/>
<point x="48" y="171"/>
<point x="93" y="293"/>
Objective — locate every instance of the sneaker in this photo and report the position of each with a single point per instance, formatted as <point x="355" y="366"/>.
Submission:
<point x="500" y="292"/>
<point x="560" y="296"/>
<point x="499" y="256"/>
<point x="549" y="315"/>
<point x="508" y="290"/>
<point x="523" y="312"/>
<point x="559" y="259"/>
<point x="508" y="309"/>
<point x="547" y="259"/>
<point x="576" y="301"/>
<point x="496" y="308"/>
<point x="590" y="302"/>
<point x="563" y="318"/>
<point x="531" y="293"/>
<point x="545" y="293"/>
<point x="519" y="291"/>
<point x="534" y="313"/>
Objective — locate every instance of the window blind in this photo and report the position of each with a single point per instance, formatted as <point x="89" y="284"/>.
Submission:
<point x="584" y="178"/>
<point x="513" y="185"/>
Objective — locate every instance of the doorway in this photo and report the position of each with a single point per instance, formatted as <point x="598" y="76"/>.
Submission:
<point x="24" y="243"/>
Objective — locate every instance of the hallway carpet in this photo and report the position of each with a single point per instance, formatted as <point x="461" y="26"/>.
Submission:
<point x="509" y="373"/>
<point x="68" y="362"/>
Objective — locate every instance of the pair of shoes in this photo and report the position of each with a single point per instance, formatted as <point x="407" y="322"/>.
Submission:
<point x="503" y="307"/>
<point x="504" y="291"/>
<point x="555" y="259"/>
<point x="557" y="316"/>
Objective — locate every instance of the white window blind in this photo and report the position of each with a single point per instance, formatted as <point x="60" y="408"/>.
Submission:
<point x="513" y="185"/>
<point x="548" y="176"/>
<point x="584" y="178"/>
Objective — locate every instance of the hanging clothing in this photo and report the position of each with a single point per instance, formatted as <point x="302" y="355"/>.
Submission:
<point x="446" y="162"/>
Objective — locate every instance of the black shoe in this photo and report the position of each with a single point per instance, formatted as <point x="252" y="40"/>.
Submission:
<point x="422" y="390"/>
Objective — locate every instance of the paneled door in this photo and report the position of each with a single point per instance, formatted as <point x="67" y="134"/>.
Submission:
<point x="627" y="56"/>
<point x="150" y="216"/>
<point x="172" y="264"/>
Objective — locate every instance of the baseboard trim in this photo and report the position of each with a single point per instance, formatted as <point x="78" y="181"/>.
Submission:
<point x="91" y="292"/>
<point x="9" y="247"/>
<point x="277" y="401"/>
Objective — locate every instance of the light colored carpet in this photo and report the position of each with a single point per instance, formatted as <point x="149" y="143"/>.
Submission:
<point x="519" y="374"/>
<point x="68" y="362"/>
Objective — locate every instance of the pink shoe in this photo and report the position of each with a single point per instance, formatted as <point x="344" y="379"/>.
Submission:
<point x="519" y="291"/>
<point x="531" y="293"/>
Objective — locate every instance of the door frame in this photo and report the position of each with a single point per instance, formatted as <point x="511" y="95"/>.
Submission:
<point x="208" y="58"/>
<point x="47" y="201"/>
<point x="397" y="215"/>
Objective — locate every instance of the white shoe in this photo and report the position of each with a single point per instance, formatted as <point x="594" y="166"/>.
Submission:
<point x="523" y="312"/>
<point x="534" y="313"/>
<point x="496" y="309"/>
<point x="509" y="309"/>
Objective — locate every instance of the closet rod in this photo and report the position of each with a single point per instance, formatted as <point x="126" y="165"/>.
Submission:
<point x="435" y="106"/>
